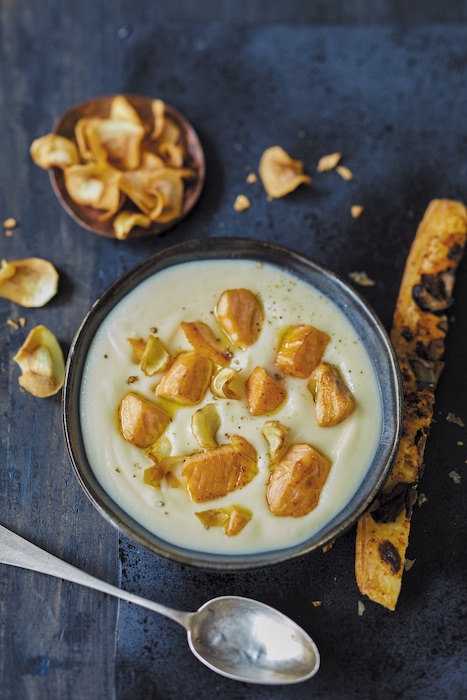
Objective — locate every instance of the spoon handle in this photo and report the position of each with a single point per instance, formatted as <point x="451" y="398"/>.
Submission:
<point x="16" y="551"/>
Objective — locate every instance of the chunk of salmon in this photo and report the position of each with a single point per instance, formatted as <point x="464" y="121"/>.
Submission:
<point x="264" y="393"/>
<point x="201" y="337"/>
<point x="187" y="379"/>
<point x="333" y="399"/>
<point x="216" y="473"/>
<point x="297" y="480"/>
<point x="300" y="350"/>
<point x="240" y="315"/>
<point x="141" y="421"/>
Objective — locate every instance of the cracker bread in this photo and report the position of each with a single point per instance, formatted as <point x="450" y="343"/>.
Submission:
<point x="418" y="334"/>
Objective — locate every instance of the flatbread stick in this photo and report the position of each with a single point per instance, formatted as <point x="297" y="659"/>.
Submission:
<point x="418" y="334"/>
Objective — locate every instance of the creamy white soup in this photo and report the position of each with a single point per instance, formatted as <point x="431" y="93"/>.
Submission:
<point x="189" y="292"/>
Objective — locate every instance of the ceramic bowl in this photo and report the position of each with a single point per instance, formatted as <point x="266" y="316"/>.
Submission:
<point x="88" y="217"/>
<point x="348" y="301"/>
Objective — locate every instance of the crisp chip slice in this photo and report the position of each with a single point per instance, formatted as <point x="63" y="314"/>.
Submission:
<point x="223" y="384"/>
<point x="53" y="151"/>
<point x="126" y="220"/>
<point x="170" y="133"/>
<point x="233" y="518"/>
<point x="158" y="112"/>
<point x="275" y="434"/>
<point x="32" y="283"/>
<point x="95" y="185"/>
<point x="139" y="346"/>
<point x="137" y="186"/>
<point x="173" y="154"/>
<point x="279" y="173"/>
<point x="122" y="110"/>
<point x="205" y="422"/>
<point x="121" y="140"/>
<point x="155" y="357"/>
<point x="170" y="186"/>
<point x="41" y="361"/>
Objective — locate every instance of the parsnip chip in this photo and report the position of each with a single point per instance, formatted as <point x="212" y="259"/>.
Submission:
<point x="125" y="221"/>
<point x="121" y="141"/>
<point x="158" y="112"/>
<point x="52" y="151"/>
<point x="136" y="185"/>
<point x="279" y="173"/>
<point x="95" y="185"/>
<point x="155" y="357"/>
<point x="138" y="345"/>
<point x="223" y="383"/>
<point x="233" y="518"/>
<point x="275" y="434"/>
<point x="170" y="185"/>
<point x="205" y="423"/>
<point x="170" y="132"/>
<point x="173" y="154"/>
<point x="41" y="362"/>
<point x="89" y="145"/>
<point x="32" y="283"/>
<point x="121" y="110"/>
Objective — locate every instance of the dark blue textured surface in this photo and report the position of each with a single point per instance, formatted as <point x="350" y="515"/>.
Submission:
<point x="394" y="104"/>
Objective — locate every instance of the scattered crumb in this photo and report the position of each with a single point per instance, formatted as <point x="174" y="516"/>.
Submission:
<point x="251" y="178"/>
<point x="10" y="223"/>
<point x="421" y="499"/>
<point x="316" y="603"/>
<point x="362" y="279"/>
<point x="455" y="476"/>
<point x="356" y="210"/>
<point x="344" y="172"/>
<point x="259" y="264"/>
<point x="12" y="323"/>
<point x="328" y="546"/>
<point x="408" y="563"/>
<point x="328" y="162"/>
<point x="22" y="321"/>
<point x="241" y="203"/>
<point x="460" y="443"/>
<point x="451" y="418"/>
<point x="8" y="232"/>
<point x="361" y="607"/>
<point x="132" y="379"/>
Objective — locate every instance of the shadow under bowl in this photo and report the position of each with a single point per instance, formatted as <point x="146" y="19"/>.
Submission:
<point x="348" y="301"/>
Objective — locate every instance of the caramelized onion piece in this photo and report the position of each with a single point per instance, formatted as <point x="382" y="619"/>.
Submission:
<point x="30" y="282"/>
<point x="279" y="173"/>
<point x="41" y="361"/>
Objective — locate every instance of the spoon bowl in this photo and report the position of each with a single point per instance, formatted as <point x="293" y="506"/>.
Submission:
<point x="239" y="638"/>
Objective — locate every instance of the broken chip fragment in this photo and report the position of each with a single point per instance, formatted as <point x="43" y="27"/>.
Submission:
<point x="41" y="362"/>
<point x="279" y="173"/>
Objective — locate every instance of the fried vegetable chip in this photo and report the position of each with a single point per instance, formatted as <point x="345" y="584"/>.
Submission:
<point x="30" y="282"/>
<point x="52" y="151"/>
<point x="41" y="362"/>
<point x="279" y="173"/>
<point x="205" y="423"/>
<point x="127" y="220"/>
<point x="95" y="185"/>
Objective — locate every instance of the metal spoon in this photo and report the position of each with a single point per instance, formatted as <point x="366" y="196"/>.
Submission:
<point x="240" y="638"/>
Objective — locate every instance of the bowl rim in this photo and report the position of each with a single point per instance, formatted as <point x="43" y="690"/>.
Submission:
<point x="348" y="300"/>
